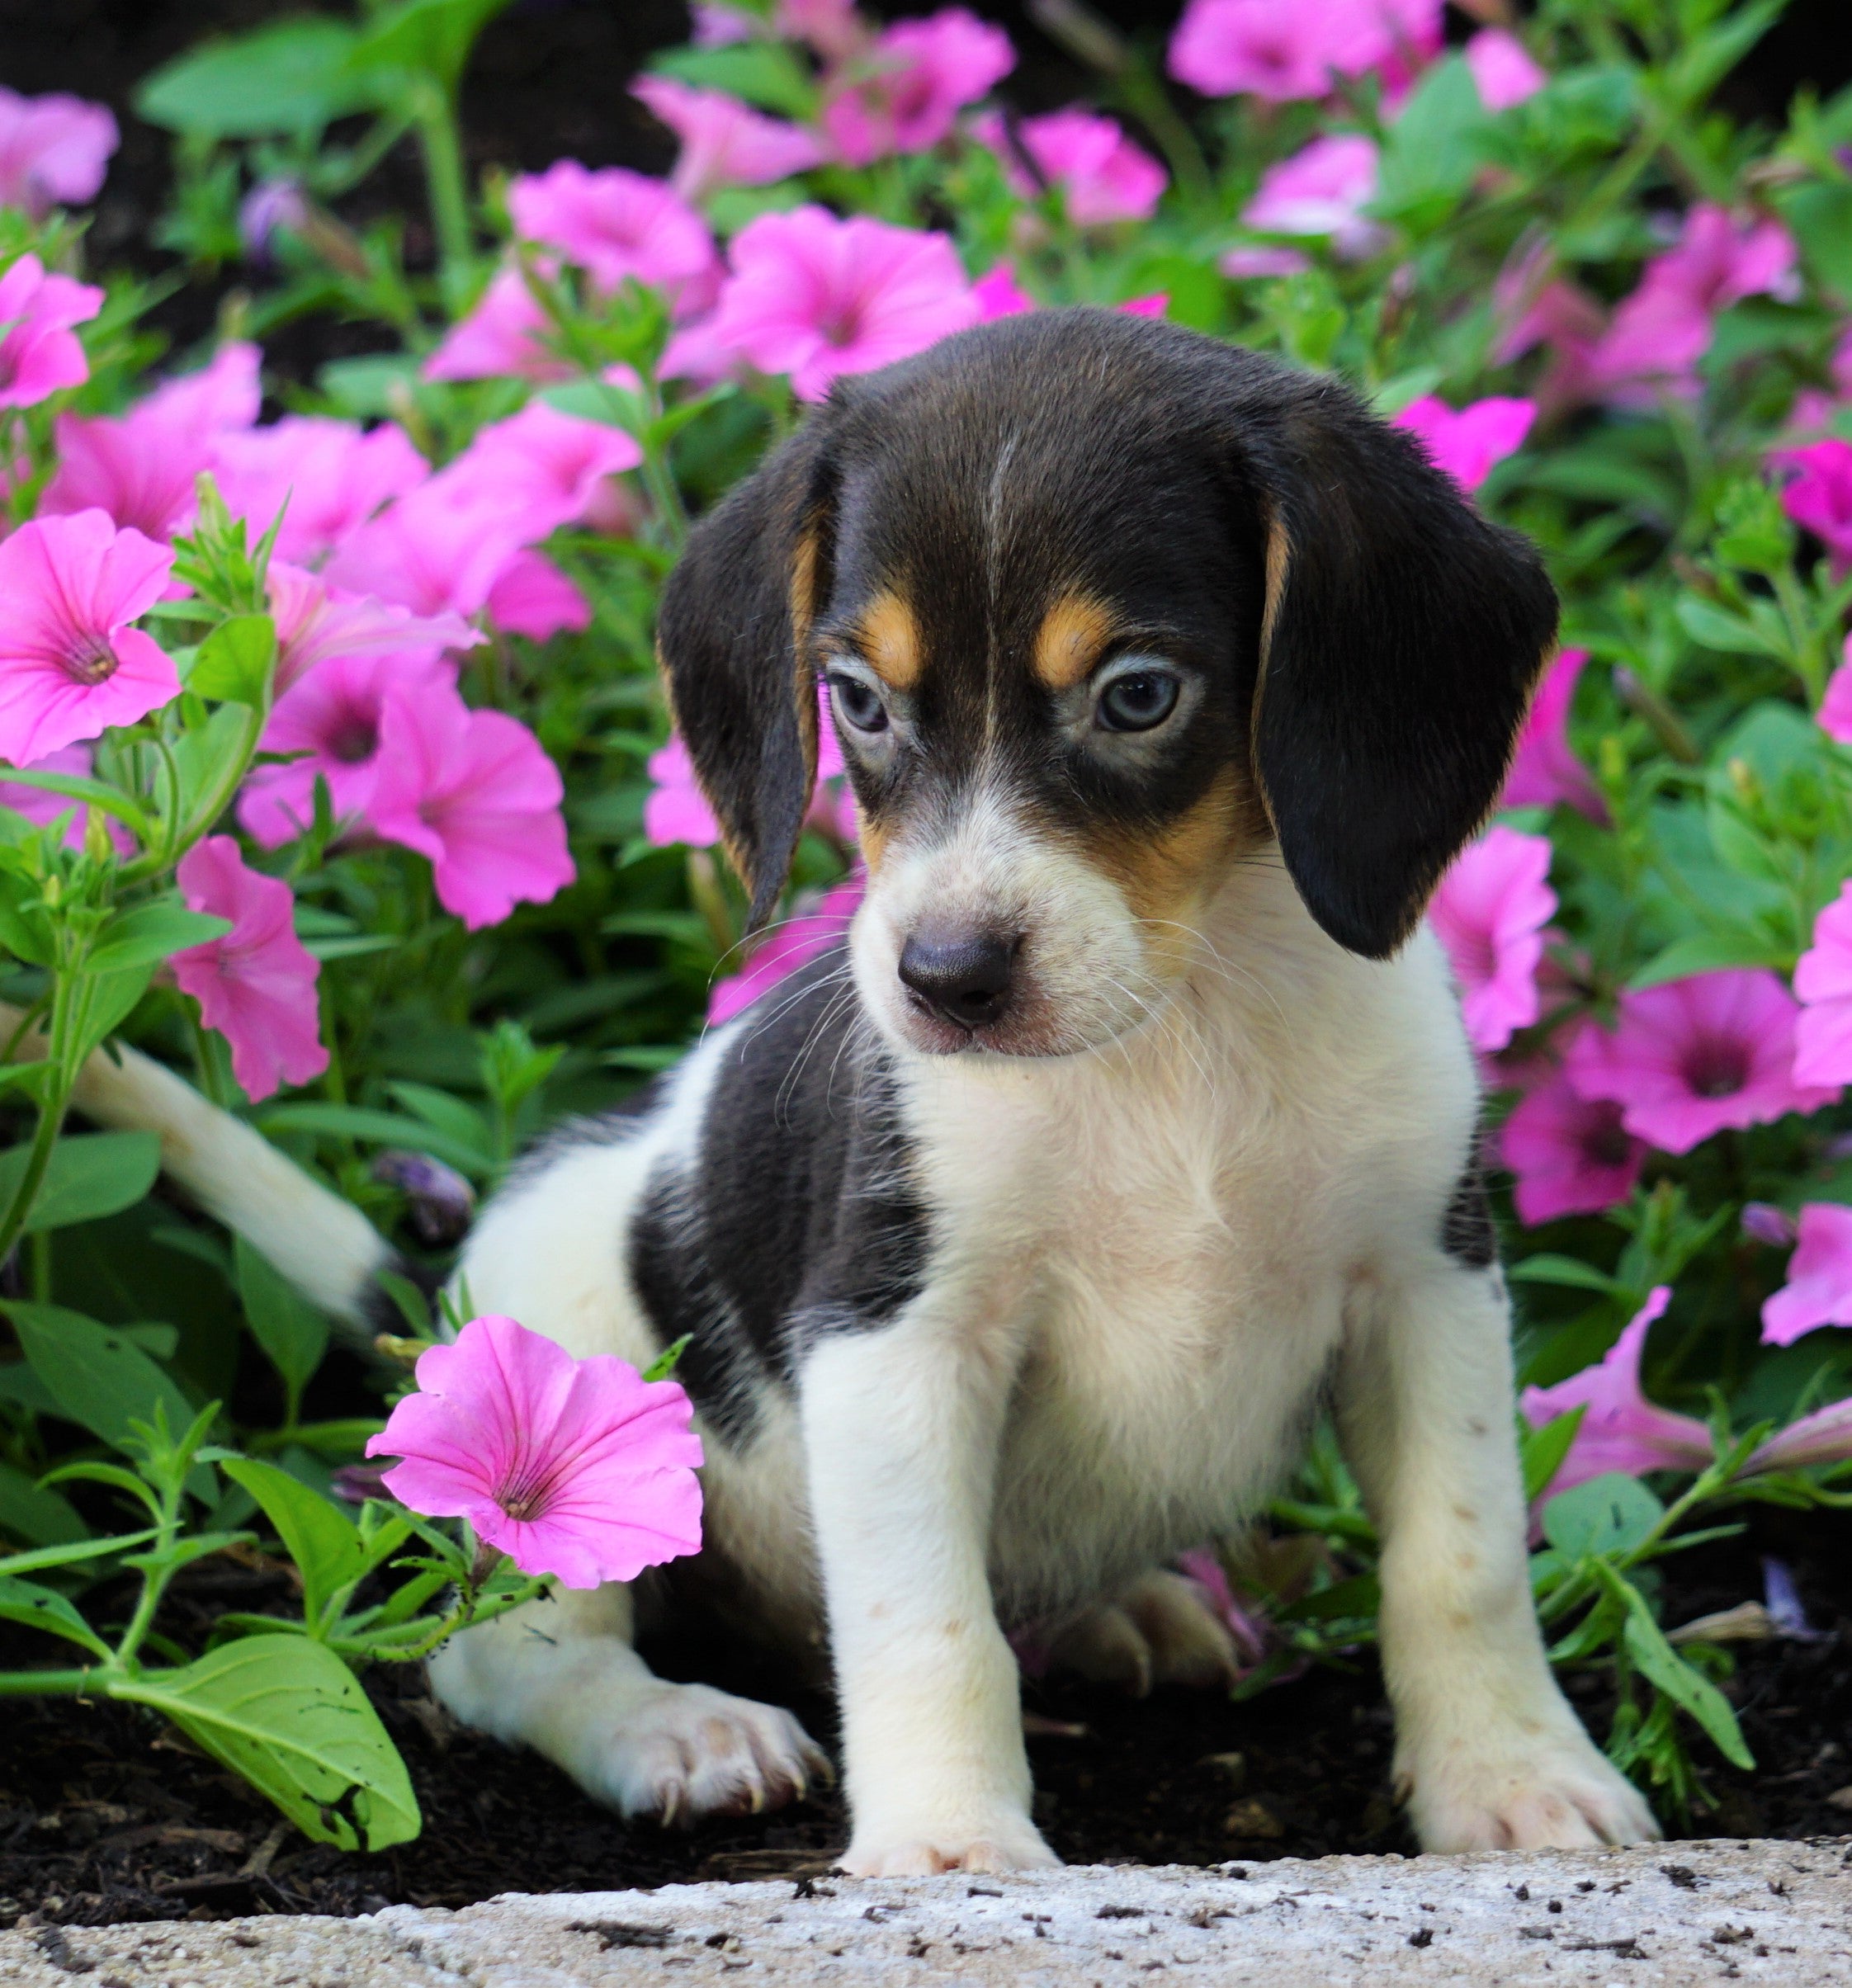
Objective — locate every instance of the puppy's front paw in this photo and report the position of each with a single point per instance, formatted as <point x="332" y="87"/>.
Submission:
<point x="1517" y="1791"/>
<point x="1009" y="1843"/>
<point x="1162" y="1631"/>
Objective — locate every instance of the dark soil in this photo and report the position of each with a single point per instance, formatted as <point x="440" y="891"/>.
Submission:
<point x="108" y="1815"/>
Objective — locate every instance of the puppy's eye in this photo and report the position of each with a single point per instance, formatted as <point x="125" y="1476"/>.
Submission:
<point x="858" y="704"/>
<point x="1138" y="700"/>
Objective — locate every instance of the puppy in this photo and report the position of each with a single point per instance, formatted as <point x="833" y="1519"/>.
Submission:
<point x="1020" y="1241"/>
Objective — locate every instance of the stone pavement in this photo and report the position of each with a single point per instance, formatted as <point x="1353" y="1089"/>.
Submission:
<point x="1665" y="1917"/>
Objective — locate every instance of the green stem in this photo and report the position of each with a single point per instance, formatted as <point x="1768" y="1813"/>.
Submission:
<point x="435" y="117"/>
<point x="47" y="1683"/>
<point x="155" y="862"/>
<point x="51" y="1113"/>
<point x="153" y="1582"/>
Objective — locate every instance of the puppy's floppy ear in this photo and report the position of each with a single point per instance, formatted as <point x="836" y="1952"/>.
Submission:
<point x="1402" y="635"/>
<point x="732" y="636"/>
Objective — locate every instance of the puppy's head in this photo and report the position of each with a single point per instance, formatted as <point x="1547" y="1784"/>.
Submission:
<point x="1101" y="605"/>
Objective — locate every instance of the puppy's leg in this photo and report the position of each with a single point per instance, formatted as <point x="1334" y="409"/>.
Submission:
<point x="1488" y="1752"/>
<point x="1160" y="1631"/>
<point x="901" y="1425"/>
<point x="559" y="1675"/>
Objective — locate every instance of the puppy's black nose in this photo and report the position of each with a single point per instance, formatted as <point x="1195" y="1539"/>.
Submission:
<point x="961" y="976"/>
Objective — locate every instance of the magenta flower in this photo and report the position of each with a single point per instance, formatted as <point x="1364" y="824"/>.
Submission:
<point x="1820" y="499"/>
<point x="542" y="466"/>
<point x="617" y="225"/>
<point x="1824" y="1437"/>
<point x="1281" y="50"/>
<point x="912" y="81"/>
<point x="1545" y="770"/>
<point x="434" y="551"/>
<point x="786" y="947"/>
<point x="676" y="810"/>
<point x="816" y="297"/>
<point x="1503" y="72"/>
<point x="724" y="143"/>
<point x="474" y="792"/>
<point x="579" y="1469"/>
<point x="532" y="597"/>
<point x="1823" y="983"/>
<point x="1622" y="1430"/>
<point x="1489" y="913"/>
<point x="832" y="27"/>
<point x="1322" y="190"/>
<point x="1697" y="1057"/>
<point x="1819" y="1288"/>
<point x="39" y="356"/>
<point x="1835" y="705"/>
<point x="504" y="337"/>
<point x="70" y="664"/>
<point x="1569" y="1155"/>
<point x="1468" y="444"/>
<point x="316" y="625"/>
<point x="40" y="804"/>
<point x="255" y="983"/>
<point x="1101" y="175"/>
<point x="999" y="294"/>
<point x="333" y="474"/>
<point x="53" y="150"/>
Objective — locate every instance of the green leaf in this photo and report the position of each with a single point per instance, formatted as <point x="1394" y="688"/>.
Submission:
<point x="1820" y="217"/>
<point x="666" y="1361"/>
<point x="1662" y="1666"/>
<point x="1704" y="951"/>
<point x="28" y="1511"/>
<point x="1546" y="1268"/>
<point x="25" y="1601"/>
<point x="451" y="1117"/>
<point x="97" y="1377"/>
<point x="293" y="1334"/>
<point x="90" y="1175"/>
<point x="290" y="1717"/>
<point x="151" y="933"/>
<point x="323" y="1543"/>
<point x="764" y="73"/>
<point x="1543" y="1449"/>
<point x="1609" y="1514"/>
<point x="377" y="1128"/>
<point x="1712" y="628"/>
<point x="234" y="661"/>
<point x="289" y="78"/>
<point x="433" y="36"/>
<point x="1360" y="1598"/>
<point x="70" y="1552"/>
<point x="1435" y="147"/>
<point x="112" y="997"/>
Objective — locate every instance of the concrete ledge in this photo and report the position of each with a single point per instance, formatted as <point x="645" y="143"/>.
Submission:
<point x="1680" y="1914"/>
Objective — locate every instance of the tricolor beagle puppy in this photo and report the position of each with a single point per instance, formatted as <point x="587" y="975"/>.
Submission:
<point x="1021" y="1240"/>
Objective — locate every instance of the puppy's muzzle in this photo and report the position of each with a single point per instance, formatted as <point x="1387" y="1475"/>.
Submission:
<point x="962" y="977"/>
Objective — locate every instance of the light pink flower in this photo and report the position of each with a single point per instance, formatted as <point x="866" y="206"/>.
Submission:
<point x="1824" y="1437"/>
<point x="1696" y="1056"/>
<point x="333" y="474"/>
<point x="1545" y="770"/>
<point x="816" y="297"/>
<point x="1622" y="1430"/>
<point x="53" y="150"/>
<point x="1660" y="332"/>
<point x="1102" y="175"/>
<point x="474" y="792"/>
<point x="255" y="983"/>
<point x="1819" y="1288"/>
<point x="1823" y="983"/>
<point x="1489" y="913"/>
<point x="832" y="27"/>
<point x="911" y="83"/>
<point x="1283" y="49"/>
<point x="41" y="805"/>
<point x="532" y="597"/>
<point x="39" y="355"/>
<point x="786" y="947"/>
<point x="724" y="143"/>
<point x="579" y="1469"/>
<point x="1764" y="1222"/>
<point x="505" y="335"/>
<point x="316" y="624"/>
<point x="717" y="26"/>
<point x="617" y="225"/>
<point x="333" y="715"/>
<point x="1256" y="259"/>
<point x="542" y="466"/>
<point x="1820" y="497"/>
<point x="1570" y="1155"/>
<point x="1468" y="443"/>
<point x="1503" y="72"/>
<point x="676" y="810"/>
<point x="70" y="664"/>
<point x="1321" y="190"/>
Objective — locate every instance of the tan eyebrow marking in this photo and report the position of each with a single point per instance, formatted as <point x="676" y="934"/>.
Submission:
<point x="1074" y="633"/>
<point x="888" y="638"/>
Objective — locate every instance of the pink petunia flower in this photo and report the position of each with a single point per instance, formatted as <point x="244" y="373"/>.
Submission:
<point x="475" y="792"/>
<point x="1622" y="1430"/>
<point x="717" y="26"/>
<point x="255" y="983"/>
<point x="53" y="150"/>
<point x="333" y="475"/>
<point x="676" y="810"/>
<point x="832" y="27"/>
<point x="905" y="93"/>
<point x="1321" y="190"/>
<point x="542" y="466"/>
<point x="1820" y="499"/>
<point x="434" y="551"/>
<point x="332" y="716"/>
<point x="1503" y="72"/>
<point x="1489" y="913"/>
<point x="816" y="297"/>
<point x="617" y="225"/>
<point x="532" y="597"/>
<point x="999" y="294"/>
<point x="1697" y="1057"/>
<point x="1256" y="259"/>
<point x="579" y="1469"/>
<point x="1819" y="1288"/>
<point x="39" y="355"/>
<point x="316" y="624"/>
<point x="1281" y="49"/>
<point x="786" y="947"/>
<point x="1823" y="983"/>
<point x="724" y="143"/>
<point x="1544" y="769"/>
<point x="1824" y="1437"/>
<point x="1660" y="332"/>
<point x="1570" y="1155"/>
<point x="1101" y="175"/>
<point x="1468" y="443"/>
<point x="40" y="804"/>
<point x="70" y="664"/>
<point x="505" y="337"/>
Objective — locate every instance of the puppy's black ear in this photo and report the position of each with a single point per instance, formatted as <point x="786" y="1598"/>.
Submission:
<point x="1402" y="635"/>
<point x="732" y="636"/>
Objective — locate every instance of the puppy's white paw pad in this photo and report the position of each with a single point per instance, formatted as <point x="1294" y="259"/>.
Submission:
<point x="1565" y="1799"/>
<point x="683" y="1751"/>
<point x="1010" y="1845"/>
